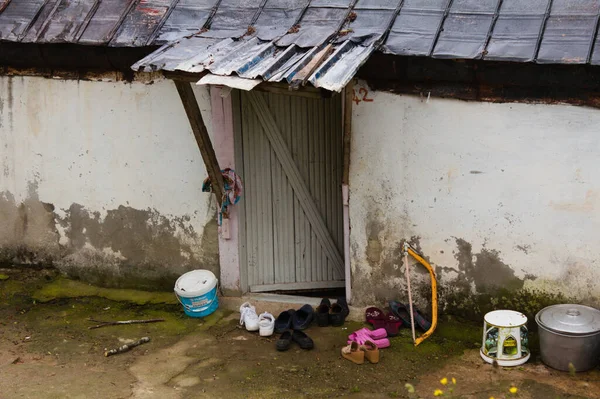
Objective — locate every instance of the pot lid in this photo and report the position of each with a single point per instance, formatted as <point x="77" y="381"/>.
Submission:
<point x="570" y="319"/>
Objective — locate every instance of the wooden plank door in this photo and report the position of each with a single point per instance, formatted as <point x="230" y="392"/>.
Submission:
<point x="289" y="154"/>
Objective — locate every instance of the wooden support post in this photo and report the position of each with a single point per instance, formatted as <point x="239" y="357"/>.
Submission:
<point x="202" y="138"/>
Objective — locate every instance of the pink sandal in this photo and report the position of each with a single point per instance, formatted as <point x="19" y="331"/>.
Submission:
<point x="378" y="337"/>
<point x="373" y="334"/>
<point x="380" y="343"/>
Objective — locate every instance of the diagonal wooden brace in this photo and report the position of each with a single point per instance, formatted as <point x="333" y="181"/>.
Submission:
<point x="188" y="99"/>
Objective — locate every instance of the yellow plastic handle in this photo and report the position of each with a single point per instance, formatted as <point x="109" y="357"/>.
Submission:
<point x="434" y="298"/>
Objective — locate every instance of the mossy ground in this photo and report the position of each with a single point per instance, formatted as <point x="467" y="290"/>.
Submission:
<point x="44" y="322"/>
<point x="65" y="288"/>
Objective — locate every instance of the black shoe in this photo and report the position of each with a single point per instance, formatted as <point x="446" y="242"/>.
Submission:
<point x="401" y="310"/>
<point x="284" y="321"/>
<point x="284" y="342"/>
<point x="420" y="320"/>
<point x="303" y="317"/>
<point x="339" y="312"/>
<point x="303" y="340"/>
<point x="322" y="314"/>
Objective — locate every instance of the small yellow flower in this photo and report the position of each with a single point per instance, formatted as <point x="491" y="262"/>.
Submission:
<point x="438" y="392"/>
<point x="491" y="397"/>
<point x="453" y="380"/>
<point x="444" y="381"/>
<point x="513" y="390"/>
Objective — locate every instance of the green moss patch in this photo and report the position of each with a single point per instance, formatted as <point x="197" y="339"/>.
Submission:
<point x="65" y="288"/>
<point x="471" y="306"/>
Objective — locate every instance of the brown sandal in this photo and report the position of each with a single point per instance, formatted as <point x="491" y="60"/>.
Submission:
<point x="371" y="351"/>
<point x="354" y="353"/>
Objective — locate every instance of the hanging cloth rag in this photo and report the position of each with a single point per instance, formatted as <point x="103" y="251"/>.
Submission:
<point x="233" y="191"/>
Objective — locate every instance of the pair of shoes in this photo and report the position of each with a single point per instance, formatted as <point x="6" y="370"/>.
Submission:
<point x="285" y="341"/>
<point x="403" y="312"/>
<point x="264" y="323"/>
<point x="294" y="319"/>
<point x="332" y="314"/>
<point x="377" y="337"/>
<point x="378" y="319"/>
<point x="357" y="353"/>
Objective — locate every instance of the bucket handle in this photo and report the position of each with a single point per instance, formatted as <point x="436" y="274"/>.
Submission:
<point x="202" y="309"/>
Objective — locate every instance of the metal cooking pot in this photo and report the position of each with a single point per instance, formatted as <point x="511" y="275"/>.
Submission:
<point x="569" y="334"/>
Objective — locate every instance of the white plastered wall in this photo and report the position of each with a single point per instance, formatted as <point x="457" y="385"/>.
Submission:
<point x="104" y="145"/>
<point x="519" y="180"/>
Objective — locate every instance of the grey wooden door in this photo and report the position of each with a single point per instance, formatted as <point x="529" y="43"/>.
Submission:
<point x="289" y="154"/>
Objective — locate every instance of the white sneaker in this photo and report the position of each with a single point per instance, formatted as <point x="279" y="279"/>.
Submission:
<point x="266" y="322"/>
<point x="249" y="317"/>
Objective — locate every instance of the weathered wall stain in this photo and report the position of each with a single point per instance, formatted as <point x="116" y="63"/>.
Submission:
<point x="485" y="269"/>
<point x="90" y="147"/>
<point x="481" y="282"/>
<point x="128" y="248"/>
<point x="384" y="278"/>
<point x="477" y="283"/>
<point x="27" y="233"/>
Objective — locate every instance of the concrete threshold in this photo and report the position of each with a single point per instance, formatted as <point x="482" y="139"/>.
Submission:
<point x="276" y="303"/>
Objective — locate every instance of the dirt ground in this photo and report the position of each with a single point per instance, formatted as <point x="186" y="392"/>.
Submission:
<point x="47" y="351"/>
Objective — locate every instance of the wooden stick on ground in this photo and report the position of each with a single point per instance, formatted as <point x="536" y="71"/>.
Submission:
<point x="126" y="348"/>
<point x="118" y="323"/>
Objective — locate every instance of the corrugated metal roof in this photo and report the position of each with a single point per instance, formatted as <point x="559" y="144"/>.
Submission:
<point x="324" y="42"/>
<point x="298" y="42"/>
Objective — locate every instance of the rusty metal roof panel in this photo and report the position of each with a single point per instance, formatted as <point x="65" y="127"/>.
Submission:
<point x="517" y="29"/>
<point x="369" y="22"/>
<point x="570" y="31"/>
<point x="39" y="21"/>
<point x="232" y="18"/>
<point x="16" y="18"/>
<point x="187" y="17"/>
<point x="466" y="29"/>
<point x="105" y="21"/>
<point x="567" y="40"/>
<point x="416" y="27"/>
<point x="67" y="20"/>
<point x="138" y="27"/>
<point x="317" y="24"/>
<point x="277" y="17"/>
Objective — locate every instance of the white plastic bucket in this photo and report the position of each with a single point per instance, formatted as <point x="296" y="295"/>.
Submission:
<point x="197" y="292"/>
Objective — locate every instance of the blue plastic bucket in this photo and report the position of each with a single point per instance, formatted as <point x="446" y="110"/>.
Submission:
<point x="197" y="293"/>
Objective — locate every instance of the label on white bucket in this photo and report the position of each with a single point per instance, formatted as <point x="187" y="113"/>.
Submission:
<point x="200" y="303"/>
<point x="195" y="283"/>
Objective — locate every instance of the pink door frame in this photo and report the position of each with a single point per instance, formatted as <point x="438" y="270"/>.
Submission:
<point x="229" y="257"/>
<point x="223" y="142"/>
